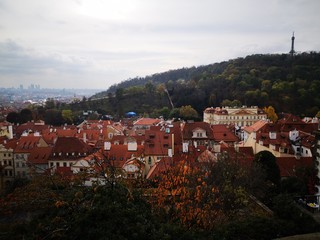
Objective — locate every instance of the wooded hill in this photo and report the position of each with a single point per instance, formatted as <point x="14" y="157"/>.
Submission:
<point x="289" y="84"/>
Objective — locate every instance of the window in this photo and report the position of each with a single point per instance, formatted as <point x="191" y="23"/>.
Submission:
<point x="17" y="164"/>
<point x="4" y="154"/>
<point x="199" y="134"/>
<point x="64" y="164"/>
<point x="10" y="163"/>
<point x="51" y="164"/>
<point x="149" y="160"/>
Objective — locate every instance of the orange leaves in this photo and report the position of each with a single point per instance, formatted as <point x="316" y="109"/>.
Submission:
<point x="185" y="194"/>
<point x="59" y="204"/>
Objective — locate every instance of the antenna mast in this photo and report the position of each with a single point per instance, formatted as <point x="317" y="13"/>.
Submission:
<point x="292" y="52"/>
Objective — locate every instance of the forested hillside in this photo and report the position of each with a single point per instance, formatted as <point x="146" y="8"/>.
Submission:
<point x="288" y="84"/>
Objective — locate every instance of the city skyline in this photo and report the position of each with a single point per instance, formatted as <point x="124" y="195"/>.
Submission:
<point x="95" y="44"/>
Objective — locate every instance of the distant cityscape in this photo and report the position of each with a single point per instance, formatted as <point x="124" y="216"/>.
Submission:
<point x="35" y="94"/>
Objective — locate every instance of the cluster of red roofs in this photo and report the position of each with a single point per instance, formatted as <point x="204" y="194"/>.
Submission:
<point x="146" y="147"/>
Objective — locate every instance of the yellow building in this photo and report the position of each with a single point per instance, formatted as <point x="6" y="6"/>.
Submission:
<point x="6" y="166"/>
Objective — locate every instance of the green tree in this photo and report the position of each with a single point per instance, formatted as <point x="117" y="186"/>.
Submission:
<point x="164" y="112"/>
<point x="235" y="103"/>
<point x="67" y="116"/>
<point x="266" y="161"/>
<point x="50" y="104"/>
<point x="175" y="113"/>
<point x="53" y="117"/>
<point x="188" y="113"/>
<point x="26" y="115"/>
<point x="13" y="117"/>
<point x="226" y="103"/>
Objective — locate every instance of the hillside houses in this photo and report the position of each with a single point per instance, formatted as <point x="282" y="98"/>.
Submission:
<point x="148" y="147"/>
<point x="288" y="137"/>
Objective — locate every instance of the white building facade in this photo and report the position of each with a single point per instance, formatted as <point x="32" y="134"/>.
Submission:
<point x="244" y="116"/>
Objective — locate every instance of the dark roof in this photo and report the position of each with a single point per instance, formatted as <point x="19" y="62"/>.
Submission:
<point x="39" y="155"/>
<point x="289" y="165"/>
<point x="188" y="128"/>
<point x="70" y="147"/>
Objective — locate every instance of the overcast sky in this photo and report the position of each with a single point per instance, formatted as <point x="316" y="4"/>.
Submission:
<point x="97" y="43"/>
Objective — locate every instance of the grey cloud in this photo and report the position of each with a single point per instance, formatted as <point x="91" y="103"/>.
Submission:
<point x="15" y="59"/>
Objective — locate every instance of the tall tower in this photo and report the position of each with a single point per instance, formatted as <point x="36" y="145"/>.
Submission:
<point x="292" y="52"/>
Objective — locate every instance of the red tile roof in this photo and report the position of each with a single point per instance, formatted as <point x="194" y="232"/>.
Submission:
<point x="157" y="142"/>
<point x="146" y="121"/>
<point x="30" y="127"/>
<point x="159" y="168"/>
<point x="224" y="133"/>
<point x="70" y="148"/>
<point x="188" y="129"/>
<point x="256" y="126"/>
<point x="64" y="171"/>
<point x="289" y="165"/>
<point x="27" y="143"/>
<point x="11" y="143"/>
<point x="119" y="154"/>
<point x="39" y="155"/>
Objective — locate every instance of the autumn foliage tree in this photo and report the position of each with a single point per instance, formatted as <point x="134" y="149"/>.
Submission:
<point x="185" y="196"/>
<point x="205" y="195"/>
<point x="271" y="114"/>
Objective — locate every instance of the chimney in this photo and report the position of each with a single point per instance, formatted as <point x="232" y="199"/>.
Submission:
<point x="132" y="146"/>
<point x="185" y="147"/>
<point x="10" y="132"/>
<point x="107" y="146"/>
<point x="85" y="137"/>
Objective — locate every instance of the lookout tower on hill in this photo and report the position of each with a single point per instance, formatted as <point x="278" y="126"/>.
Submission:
<point x="292" y="52"/>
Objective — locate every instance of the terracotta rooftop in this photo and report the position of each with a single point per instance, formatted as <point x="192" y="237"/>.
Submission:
<point x="70" y="147"/>
<point x="26" y="143"/>
<point x="222" y="133"/>
<point x="146" y="121"/>
<point x="39" y="155"/>
<point x="256" y="126"/>
<point x="188" y="129"/>
<point x="289" y="165"/>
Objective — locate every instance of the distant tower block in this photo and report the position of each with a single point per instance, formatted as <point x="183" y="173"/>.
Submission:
<point x="292" y="52"/>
